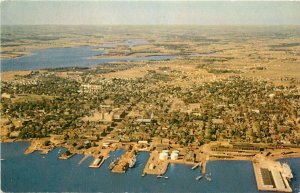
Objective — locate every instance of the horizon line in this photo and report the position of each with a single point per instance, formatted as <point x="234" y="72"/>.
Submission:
<point x="150" y="24"/>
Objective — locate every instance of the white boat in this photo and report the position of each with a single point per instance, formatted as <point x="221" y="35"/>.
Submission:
<point x="2" y="159"/>
<point x="112" y="165"/>
<point x="199" y="177"/>
<point x="132" y="162"/>
<point x="160" y="176"/>
<point x="286" y="171"/>
<point x="208" y="177"/>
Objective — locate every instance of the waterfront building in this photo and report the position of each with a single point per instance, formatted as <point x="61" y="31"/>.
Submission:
<point x="163" y="156"/>
<point x="174" y="155"/>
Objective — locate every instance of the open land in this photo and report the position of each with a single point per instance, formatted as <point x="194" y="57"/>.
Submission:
<point x="230" y="93"/>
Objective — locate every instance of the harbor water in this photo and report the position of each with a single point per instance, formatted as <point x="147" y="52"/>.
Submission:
<point x="47" y="173"/>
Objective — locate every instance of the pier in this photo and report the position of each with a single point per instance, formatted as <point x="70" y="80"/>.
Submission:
<point x="97" y="162"/>
<point x="100" y="157"/>
<point x="120" y="168"/>
<point x="124" y="161"/>
<point x="66" y="155"/>
<point x="195" y="166"/>
<point x="269" y="175"/>
<point x="203" y="167"/>
<point x="155" y="166"/>
<point x="83" y="159"/>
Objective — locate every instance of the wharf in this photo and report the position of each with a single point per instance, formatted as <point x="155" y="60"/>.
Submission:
<point x="97" y="162"/>
<point x="269" y="176"/>
<point x="65" y="156"/>
<point x="203" y="167"/>
<point x="120" y="168"/>
<point x="123" y="163"/>
<point x="155" y="166"/>
<point x="195" y="166"/>
<point x="83" y="159"/>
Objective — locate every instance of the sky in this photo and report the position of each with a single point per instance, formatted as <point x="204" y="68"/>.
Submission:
<point x="150" y="13"/>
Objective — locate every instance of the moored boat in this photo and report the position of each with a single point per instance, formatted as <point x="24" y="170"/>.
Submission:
<point x="112" y="165"/>
<point x="132" y="162"/>
<point x="286" y="171"/>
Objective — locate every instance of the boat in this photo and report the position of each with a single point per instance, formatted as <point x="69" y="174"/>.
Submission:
<point x="286" y="171"/>
<point x="160" y="176"/>
<point x="199" y="177"/>
<point x="2" y="159"/>
<point x="143" y="174"/>
<point x="208" y="177"/>
<point x="132" y="162"/>
<point x="112" y="165"/>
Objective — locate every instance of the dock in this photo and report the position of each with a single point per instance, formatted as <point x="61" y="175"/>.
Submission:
<point x="195" y="166"/>
<point x="120" y="168"/>
<point x="97" y="162"/>
<point x="269" y="175"/>
<point x="203" y="167"/>
<point x="155" y="166"/>
<point x="123" y="163"/>
<point x="66" y="156"/>
<point x="83" y="159"/>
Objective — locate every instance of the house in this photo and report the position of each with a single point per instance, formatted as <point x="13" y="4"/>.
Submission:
<point x="5" y="95"/>
<point x="190" y="156"/>
<point x="217" y="121"/>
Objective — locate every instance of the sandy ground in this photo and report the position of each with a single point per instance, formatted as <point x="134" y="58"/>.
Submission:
<point x="8" y="76"/>
<point x="130" y="73"/>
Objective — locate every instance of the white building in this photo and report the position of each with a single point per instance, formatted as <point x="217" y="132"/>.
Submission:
<point x="163" y="156"/>
<point x="174" y="155"/>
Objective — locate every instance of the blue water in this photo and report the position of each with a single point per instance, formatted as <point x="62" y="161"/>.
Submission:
<point x="32" y="173"/>
<point x="65" y="57"/>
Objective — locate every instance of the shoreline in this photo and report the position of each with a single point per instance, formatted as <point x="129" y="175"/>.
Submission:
<point x="118" y="146"/>
<point x="156" y="166"/>
<point x="33" y="49"/>
<point x="173" y="170"/>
